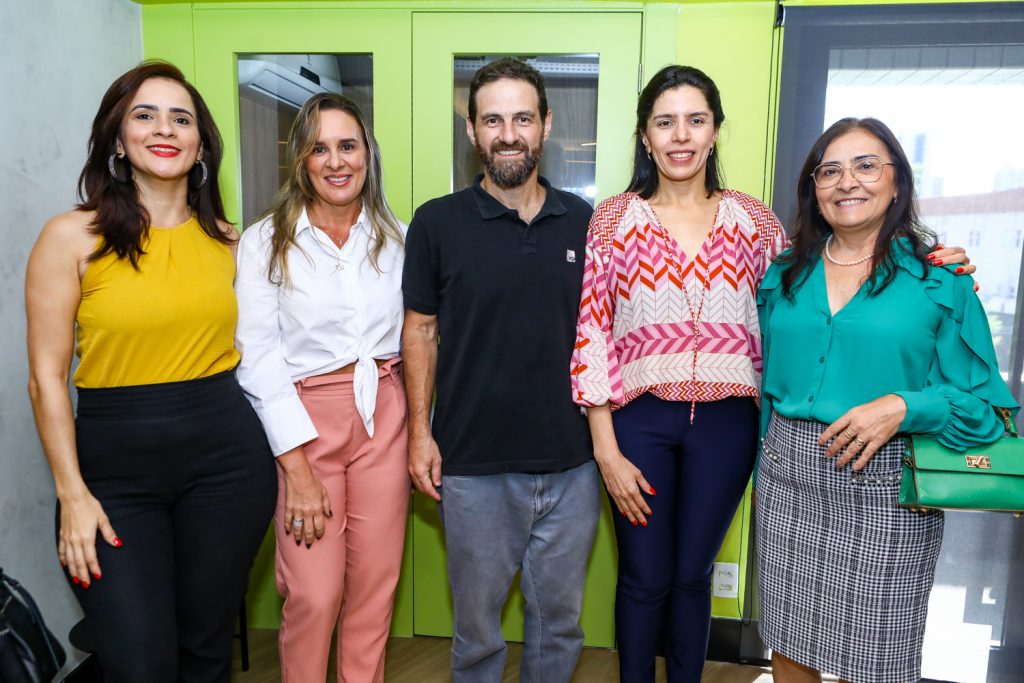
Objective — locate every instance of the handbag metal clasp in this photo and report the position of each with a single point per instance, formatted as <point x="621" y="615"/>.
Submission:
<point x="980" y="462"/>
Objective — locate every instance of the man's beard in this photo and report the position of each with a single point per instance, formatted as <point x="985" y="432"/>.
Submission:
<point x="505" y="173"/>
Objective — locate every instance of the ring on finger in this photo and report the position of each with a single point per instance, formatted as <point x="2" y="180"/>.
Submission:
<point x="859" y="441"/>
<point x="848" y="434"/>
<point x="297" y="523"/>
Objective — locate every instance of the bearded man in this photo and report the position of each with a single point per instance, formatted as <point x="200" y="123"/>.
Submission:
<point x="495" y="272"/>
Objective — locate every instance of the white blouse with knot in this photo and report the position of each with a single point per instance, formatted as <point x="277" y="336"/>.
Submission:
<point x="336" y="309"/>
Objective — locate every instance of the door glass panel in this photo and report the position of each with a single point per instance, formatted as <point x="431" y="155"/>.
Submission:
<point x="956" y="112"/>
<point x="570" y="152"/>
<point x="271" y="88"/>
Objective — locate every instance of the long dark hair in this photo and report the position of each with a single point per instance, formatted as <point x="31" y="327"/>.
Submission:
<point x="645" y="171"/>
<point x="121" y="220"/>
<point x="901" y="220"/>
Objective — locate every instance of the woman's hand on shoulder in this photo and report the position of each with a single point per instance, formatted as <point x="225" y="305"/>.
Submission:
<point x="307" y="504"/>
<point x="862" y="430"/>
<point x="625" y="484"/>
<point x="953" y="256"/>
<point x="81" y="516"/>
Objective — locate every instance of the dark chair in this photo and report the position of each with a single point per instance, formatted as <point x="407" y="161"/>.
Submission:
<point x="88" y="670"/>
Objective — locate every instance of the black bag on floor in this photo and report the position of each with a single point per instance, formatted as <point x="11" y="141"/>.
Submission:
<point x="29" y="653"/>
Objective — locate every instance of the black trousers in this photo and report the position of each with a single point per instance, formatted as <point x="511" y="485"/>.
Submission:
<point x="184" y="472"/>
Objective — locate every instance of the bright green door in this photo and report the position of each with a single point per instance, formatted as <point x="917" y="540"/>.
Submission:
<point x="590" y="63"/>
<point x="255" y="68"/>
<point x="246" y="54"/>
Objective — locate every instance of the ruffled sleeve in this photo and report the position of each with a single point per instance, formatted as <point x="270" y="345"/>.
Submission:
<point x="596" y="378"/>
<point x="964" y="384"/>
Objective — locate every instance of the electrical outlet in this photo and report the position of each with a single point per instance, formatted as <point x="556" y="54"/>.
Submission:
<point x="726" y="580"/>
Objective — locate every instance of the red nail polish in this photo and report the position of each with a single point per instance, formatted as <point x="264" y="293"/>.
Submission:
<point x="643" y="522"/>
<point x="634" y="522"/>
<point x="931" y="257"/>
<point x="652" y="490"/>
<point x="74" y="580"/>
<point x="959" y="270"/>
<point x="937" y="262"/>
<point x="96" y="575"/>
<point x="117" y="542"/>
<point x="85" y="585"/>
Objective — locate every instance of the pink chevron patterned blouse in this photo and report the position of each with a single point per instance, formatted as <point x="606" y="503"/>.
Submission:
<point x="636" y="333"/>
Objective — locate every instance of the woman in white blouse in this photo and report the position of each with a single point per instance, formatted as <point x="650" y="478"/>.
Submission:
<point x="320" y="317"/>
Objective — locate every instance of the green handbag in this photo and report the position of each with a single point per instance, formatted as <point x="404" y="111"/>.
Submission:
<point x="989" y="477"/>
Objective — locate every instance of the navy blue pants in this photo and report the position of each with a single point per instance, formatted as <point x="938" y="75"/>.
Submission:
<point x="699" y="473"/>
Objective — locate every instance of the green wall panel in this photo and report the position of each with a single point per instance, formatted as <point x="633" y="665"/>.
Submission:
<point x="741" y="67"/>
<point x="167" y="34"/>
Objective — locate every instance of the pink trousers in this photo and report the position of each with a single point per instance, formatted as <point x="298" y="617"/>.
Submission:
<point x="347" y="578"/>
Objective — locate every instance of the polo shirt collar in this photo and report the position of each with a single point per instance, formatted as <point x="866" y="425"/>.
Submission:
<point x="491" y="208"/>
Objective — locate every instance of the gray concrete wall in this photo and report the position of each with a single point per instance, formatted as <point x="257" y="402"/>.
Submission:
<point x="57" y="58"/>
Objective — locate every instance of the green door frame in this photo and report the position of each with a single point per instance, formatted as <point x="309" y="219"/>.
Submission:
<point x="223" y="33"/>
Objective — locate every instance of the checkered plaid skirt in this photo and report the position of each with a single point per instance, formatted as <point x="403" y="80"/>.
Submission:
<point x="844" y="573"/>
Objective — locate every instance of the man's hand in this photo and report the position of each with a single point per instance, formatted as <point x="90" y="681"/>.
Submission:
<point x="425" y="465"/>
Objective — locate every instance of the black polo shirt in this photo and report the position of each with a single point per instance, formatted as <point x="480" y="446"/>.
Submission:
<point x="506" y="295"/>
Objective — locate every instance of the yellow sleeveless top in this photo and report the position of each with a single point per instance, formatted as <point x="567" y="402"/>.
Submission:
<point x="172" y="320"/>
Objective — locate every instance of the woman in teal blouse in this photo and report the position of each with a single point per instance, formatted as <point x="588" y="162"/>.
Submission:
<point x="863" y="339"/>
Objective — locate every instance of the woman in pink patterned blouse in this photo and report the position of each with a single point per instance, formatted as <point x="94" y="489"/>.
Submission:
<point x="668" y="321"/>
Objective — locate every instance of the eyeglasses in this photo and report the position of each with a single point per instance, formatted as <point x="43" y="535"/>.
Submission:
<point x="865" y="169"/>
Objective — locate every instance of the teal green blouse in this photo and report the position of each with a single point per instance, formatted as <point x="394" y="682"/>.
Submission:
<point x="925" y="337"/>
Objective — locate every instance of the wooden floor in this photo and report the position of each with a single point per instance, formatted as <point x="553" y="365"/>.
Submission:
<point x="426" y="660"/>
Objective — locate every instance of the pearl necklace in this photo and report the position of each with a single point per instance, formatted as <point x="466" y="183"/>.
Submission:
<point x="828" y="255"/>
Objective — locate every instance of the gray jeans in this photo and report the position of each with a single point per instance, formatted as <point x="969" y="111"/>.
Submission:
<point x="497" y="524"/>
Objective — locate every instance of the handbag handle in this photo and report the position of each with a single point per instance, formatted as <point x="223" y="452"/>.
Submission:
<point x="1008" y="423"/>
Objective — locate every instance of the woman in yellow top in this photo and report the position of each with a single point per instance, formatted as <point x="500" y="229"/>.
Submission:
<point x="164" y="479"/>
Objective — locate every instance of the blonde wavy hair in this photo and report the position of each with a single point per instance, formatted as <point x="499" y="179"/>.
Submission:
<point x="297" y="191"/>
